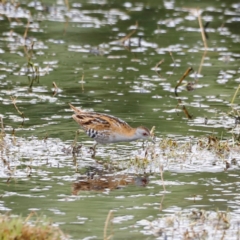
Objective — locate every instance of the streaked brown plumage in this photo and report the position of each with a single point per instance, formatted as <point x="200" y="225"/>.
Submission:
<point x="104" y="128"/>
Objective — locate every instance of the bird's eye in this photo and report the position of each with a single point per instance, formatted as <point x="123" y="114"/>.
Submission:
<point x="145" y="134"/>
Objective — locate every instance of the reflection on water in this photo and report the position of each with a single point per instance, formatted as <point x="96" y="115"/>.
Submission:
<point x="125" y="59"/>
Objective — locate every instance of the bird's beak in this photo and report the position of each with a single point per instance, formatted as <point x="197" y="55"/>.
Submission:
<point x="151" y="139"/>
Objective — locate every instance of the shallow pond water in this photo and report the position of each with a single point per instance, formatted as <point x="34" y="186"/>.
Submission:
<point x="125" y="59"/>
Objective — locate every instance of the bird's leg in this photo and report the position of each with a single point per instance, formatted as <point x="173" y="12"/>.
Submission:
<point x="75" y="147"/>
<point x="93" y="149"/>
<point x="143" y="145"/>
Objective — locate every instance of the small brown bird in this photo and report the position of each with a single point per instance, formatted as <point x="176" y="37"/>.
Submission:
<point x="104" y="128"/>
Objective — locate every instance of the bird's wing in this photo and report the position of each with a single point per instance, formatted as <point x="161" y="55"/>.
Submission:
<point x="88" y="120"/>
<point x="98" y="121"/>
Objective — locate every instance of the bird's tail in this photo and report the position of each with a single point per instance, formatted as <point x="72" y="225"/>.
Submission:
<point x="76" y="110"/>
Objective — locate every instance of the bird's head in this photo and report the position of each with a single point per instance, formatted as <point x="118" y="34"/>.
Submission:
<point x="144" y="133"/>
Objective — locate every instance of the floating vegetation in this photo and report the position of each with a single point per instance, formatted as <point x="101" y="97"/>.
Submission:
<point x="193" y="224"/>
<point x="203" y="154"/>
<point x="22" y="229"/>
<point x="184" y="154"/>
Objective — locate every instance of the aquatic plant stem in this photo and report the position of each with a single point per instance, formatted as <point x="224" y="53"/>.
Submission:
<point x="15" y="106"/>
<point x="202" y="31"/>
<point x="55" y="89"/>
<point x="108" y="220"/>
<point x="171" y="55"/>
<point x="67" y="4"/>
<point x="182" y="78"/>
<point x="122" y="40"/>
<point x="201" y="63"/>
<point x="157" y="65"/>
<point x="176" y="93"/>
<point x="161" y="174"/>
<point x="26" y="30"/>
<point x="82" y="82"/>
<point x="2" y="126"/>
<point x="235" y="94"/>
